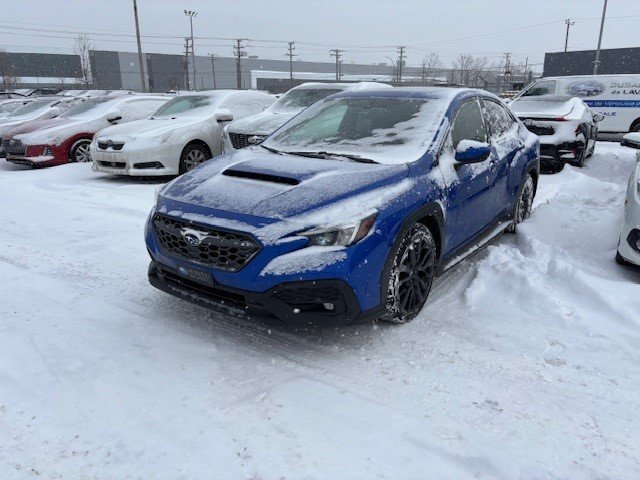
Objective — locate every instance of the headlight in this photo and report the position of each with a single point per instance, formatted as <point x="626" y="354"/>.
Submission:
<point x="52" y="140"/>
<point x="164" y="137"/>
<point x="342" y="235"/>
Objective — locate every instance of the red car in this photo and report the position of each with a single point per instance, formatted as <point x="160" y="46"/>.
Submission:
<point x="43" y="143"/>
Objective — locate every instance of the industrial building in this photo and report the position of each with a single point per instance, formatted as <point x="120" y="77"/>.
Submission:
<point x="612" y="61"/>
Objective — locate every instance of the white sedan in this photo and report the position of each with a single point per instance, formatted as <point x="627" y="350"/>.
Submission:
<point x="629" y="243"/>
<point x="183" y="133"/>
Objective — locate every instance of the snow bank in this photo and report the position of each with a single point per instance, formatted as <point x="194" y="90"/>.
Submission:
<point x="523" y="364"/>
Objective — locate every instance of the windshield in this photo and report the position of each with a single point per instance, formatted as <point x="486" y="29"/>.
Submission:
<point x="186" y="104"/>
<point x="545" y="87"/>
<point x="30" y="107"/>
<point x="302" y="98"/>
<point x="382" y="129"/>
<point x="85" y="108"/>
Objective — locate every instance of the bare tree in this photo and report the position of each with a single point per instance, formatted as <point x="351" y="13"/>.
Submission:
<point x="430" y="65"/>
<point x="81" y="48"/>
<point x="8" y="71"/>
<point x="464" y="64"/>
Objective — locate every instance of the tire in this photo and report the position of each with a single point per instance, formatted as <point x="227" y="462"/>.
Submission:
<point x="411" y="275"/>
<point x="524" y="203"/>
<point x="79" y="151"/>
<point x="193" y="155"/>
<point x="579" y="161"/>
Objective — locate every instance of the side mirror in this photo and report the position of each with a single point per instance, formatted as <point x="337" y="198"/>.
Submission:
<point x="224" y="115"/>
<point x="470" y="151"/>
<point x="598" y="117"/>
<point x="114" y="118"/>
<point x="631" y="140"/>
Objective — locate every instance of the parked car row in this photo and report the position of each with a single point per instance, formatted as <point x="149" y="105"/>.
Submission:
<point x="334" y="204"/>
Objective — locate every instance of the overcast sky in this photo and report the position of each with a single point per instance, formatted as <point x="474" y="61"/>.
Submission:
<point x="368" y="31"/>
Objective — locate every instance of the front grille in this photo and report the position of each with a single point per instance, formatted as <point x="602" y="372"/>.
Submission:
<point x="112" y="164"/>
<point x="541" y="131"/>
<point x="220" y="249"/>
<point x="103" y="145"/>
<point x="239" y="140"/>
<point x="14" y="147"/>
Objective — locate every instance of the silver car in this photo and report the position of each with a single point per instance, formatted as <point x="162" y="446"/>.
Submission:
<point x="629" y="243"/>
<point x="254" y="129"/>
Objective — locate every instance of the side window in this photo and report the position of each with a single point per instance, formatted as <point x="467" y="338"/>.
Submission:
<point x="468" y="124"/>
<point x="545" y="87"/>
<point x="499" y="120"/>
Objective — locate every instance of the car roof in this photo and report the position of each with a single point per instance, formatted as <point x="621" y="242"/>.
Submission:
<point x="414" y="92"/>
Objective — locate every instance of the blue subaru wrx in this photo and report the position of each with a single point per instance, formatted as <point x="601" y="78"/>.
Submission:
<point x="348" y="211"/>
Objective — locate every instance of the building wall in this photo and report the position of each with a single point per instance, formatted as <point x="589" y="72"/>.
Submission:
<point x="612" y="61"/>
<point x="105" y="70"/>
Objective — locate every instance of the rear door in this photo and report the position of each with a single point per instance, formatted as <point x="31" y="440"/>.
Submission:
<point x="470" y="193"/>
<point x="506" y="146"/>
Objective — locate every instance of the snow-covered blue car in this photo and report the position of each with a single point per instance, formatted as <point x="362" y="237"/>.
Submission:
<point x="347" y="212"/>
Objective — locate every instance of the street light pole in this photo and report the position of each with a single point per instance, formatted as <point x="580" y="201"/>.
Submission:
<point x="596" y="63"/>
<point x="191" y="14"/>
<point x="140" y="58"/>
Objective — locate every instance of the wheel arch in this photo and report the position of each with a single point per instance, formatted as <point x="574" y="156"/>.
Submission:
<point x="199" y="142"/>
<point x="635" y="125"/>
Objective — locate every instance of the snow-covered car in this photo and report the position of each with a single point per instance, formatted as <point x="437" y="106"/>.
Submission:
<point x="9" y="105"/>
<point x="183" y="133"/>
<point x="567" y="127"/>
<point x="629" y="244"/>
<point x="41" y="108"/>
<point x="253" y="130"/>
<point x="42" y="143"/>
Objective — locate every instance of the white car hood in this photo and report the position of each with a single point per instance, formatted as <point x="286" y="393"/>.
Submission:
<point x="539" y="108"/>
<point x="148" y="128"/>
<point x="264" y="123"/>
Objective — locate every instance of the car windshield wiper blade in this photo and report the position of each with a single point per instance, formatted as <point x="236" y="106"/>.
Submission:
<point x="323" y="154"/>
<point x="272" y="150"/>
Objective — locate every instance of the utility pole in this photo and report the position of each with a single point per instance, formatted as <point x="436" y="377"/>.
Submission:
<point x="569" y="23"/>
<point x="524" y="74"/>
<point x="596" y="63"/>
<point x="290" y="54"/>
<point x="239" y="52"/>
<point x="507" y="68"/>
<point x="140" y="59"/>
<point x="336" y="52"/>
<point x="213" y="69"/>
<point x="186" y="63"/>
<point x="191" y="14"/>
<point x="401" y="56"/>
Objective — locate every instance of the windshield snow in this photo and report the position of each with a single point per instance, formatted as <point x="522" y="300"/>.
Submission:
<point x="302" y="98"/>
<point x="187" y="104"/>
<point x="382" y="129"/>
<point x="30" y="107"/>
<point x="87" y="109"/>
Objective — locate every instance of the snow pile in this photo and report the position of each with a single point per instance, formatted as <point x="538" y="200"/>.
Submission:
<point x="524" y="363"/>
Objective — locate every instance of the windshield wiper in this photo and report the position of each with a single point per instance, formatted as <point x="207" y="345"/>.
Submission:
<point x="323" y="154"/>
<point x="272" y="150"/>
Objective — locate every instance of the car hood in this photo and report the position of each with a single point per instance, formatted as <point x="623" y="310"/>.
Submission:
<point x="264" y="123"/>
<point x="146" y="128"/>
<point x="261" y="185"/>
<point x="543" y="108"/>
<point x="34" y="125"/>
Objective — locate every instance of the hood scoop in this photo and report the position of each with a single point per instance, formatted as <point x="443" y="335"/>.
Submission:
<point x="261" y="177"/>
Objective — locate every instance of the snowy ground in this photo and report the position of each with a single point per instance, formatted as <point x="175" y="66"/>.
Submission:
<point x="524" y="364"/>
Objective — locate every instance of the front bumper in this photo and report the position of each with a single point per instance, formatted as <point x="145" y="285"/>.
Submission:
<point x="34" y="162"/>
<point x="143" y="162"/>
<point x="628" y="245"/>
<point x="323" y="303"/>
